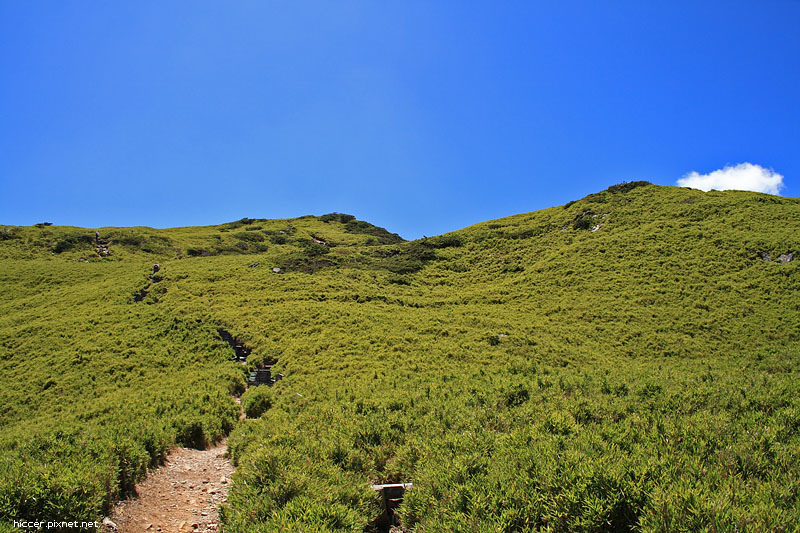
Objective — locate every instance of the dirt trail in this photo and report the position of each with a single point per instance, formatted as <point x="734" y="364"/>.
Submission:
<point x="181" y="496"/>
<point x="184" y="495"/>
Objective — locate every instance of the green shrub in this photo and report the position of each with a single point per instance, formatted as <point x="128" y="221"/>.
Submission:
<point x="249" y="236"/>
<point x="308" y="265"/>
<point x="627" y="186"/>
<point x="337" y="217"/>
<point x="189" y="432"/>
<point x="199" y="252"/>
<point x="239" y="223"/>
<point x="130" y="240"/>
<point x="584" y="221"/>
<point x="73" y="241"/>
<point x="409" y="258"/>
<point x="445" y="241"/>
<point x="312" y="249"/>
<point x="256" y="401"/>
<point x="365" y="228"/>
<point x="516" y="395"/>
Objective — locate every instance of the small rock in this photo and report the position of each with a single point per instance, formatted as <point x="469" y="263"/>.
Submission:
<point x="276" y="270"/>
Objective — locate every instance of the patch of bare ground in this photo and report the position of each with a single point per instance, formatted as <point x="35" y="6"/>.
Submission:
<point x="182" y="496"/>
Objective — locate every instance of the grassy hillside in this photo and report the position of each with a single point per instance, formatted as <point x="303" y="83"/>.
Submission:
<point x="627" y="361"/>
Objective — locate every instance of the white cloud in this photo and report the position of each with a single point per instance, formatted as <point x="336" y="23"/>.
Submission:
<point x="742" y="177"/>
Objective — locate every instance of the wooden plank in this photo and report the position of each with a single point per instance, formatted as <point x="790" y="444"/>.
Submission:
<point x="392" y="486"/>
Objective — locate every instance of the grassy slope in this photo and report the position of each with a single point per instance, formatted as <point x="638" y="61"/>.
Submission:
<point x="96" y="387"/>
<point x="646" y="376"/>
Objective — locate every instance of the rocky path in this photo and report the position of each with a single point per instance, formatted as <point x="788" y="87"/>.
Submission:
<point x="182" y="496"/>
<point x="101" y="246"/>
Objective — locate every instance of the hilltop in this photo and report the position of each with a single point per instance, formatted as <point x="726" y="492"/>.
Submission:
<point x="245" y="236"/>
<point x="626" y="361"/>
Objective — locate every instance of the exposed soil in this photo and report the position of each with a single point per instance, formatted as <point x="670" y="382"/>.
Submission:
<point x="182" y="496"/>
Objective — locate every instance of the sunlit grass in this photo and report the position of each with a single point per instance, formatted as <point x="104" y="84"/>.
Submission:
<point x="523" y="373"/>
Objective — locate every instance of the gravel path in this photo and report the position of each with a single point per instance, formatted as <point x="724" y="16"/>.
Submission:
<point x="182" y="496"/>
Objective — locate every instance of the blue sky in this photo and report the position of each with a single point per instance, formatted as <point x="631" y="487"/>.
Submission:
<point x="423" y="117"/>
